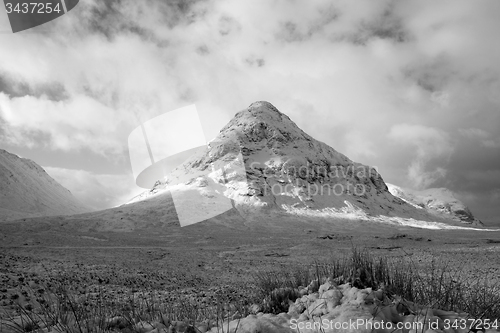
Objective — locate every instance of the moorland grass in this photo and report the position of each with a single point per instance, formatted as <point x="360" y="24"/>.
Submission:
<point x="437" y="286"/>
<point x="93" y="310"/>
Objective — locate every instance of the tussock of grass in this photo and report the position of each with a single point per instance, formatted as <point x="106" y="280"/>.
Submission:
<point x="63" y="309"/>
<point x="67" y="308"/>
<point x="438" y="286"/>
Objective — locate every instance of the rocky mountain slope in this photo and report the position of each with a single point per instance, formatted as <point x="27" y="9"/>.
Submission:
<point x="26" y="190"/>
<point x="261" y="161"/>
<point x="439" y="201"/>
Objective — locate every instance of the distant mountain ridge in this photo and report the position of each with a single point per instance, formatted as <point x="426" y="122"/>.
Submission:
<point x="26" y="190"/>
<point x="439" y="201"/>
<point x="262" y="161"/>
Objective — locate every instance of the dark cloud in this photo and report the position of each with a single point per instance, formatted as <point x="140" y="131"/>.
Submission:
<point x="13" y="88"/>
<point x="105" y="18"/>
<point x="115" y="18"/>
<point x="432" y="74"/>
<point x="386" y="26"/>
<point x="54" y="91"/>
<point x="182" y="11"/>
<point x="254" y="61"/>
<point x="108" y="97"/>
<point x="228" y="25"/>
<point x="202" y="50"/>
<point x="472" y="167"/>
<point x="290" y="31"/>
<point x="385" y="23"/>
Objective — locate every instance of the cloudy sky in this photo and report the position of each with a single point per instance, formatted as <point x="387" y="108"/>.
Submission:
<point x="411" y="87"/>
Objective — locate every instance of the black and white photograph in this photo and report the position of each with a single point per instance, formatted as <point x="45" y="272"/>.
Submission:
<point x="237" y="166"/>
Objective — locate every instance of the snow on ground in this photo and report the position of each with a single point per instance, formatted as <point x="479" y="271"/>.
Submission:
<point x="439" y="201"/>
<point x="351" y="212"/>
<point x="212" y="199"/>
<point x="342" y="308"/>
<point x="326" y="308"/>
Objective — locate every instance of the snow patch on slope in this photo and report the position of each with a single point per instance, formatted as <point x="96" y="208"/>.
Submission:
<point x="440" y="202"/>
<point x="352" y="212"/>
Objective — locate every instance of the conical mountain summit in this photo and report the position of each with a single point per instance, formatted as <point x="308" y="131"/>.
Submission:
<point x="262" y="161"/>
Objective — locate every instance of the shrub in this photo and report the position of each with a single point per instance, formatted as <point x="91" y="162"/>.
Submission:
<point x="437" y="286"/>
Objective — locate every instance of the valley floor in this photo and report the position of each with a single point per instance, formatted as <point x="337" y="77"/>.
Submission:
<point x="203" y="260"/>
<point x="202" y="257"/>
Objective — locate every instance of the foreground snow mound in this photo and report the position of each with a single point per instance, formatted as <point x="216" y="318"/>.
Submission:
<point x="342" y="308"/>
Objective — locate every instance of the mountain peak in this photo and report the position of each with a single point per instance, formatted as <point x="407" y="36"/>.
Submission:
<point x="265" y="111"/>
<point x="260" y="112"/>
<point x="279" y="166"/>
<point x="263" y="125"/>
<point x="263" y="106"/>
<point x="261" y="161"/>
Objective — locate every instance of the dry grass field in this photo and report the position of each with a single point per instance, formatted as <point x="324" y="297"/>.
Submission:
<point x="211" y="265"/>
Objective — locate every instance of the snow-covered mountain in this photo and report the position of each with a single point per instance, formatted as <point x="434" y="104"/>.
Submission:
<point x="26" y="190"/>
<point x="262" y="162"/>
<point x="439" y="201"/>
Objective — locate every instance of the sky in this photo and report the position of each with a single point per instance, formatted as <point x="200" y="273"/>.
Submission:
<point x="409" y="87"/>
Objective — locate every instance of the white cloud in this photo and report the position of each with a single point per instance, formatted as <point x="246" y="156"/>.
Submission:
<point x="441" y="98"/>
<point x="78" y="123"/>
<point x="492" y="143"/>
<point x="98" y="191"/>
<point x="484" y="137"/>
<point x="473" y="133"/>
<point x="430" y="143"/>
<point x="358" y="147"/>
